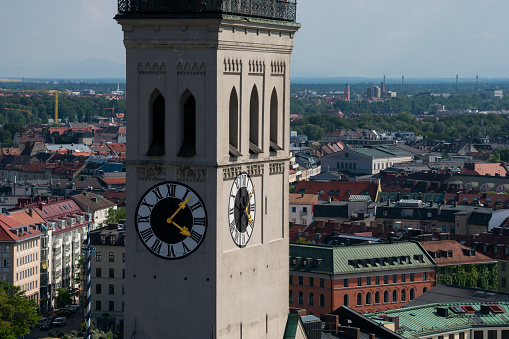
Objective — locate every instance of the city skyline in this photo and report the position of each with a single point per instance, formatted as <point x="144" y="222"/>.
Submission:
<point x="432" y="39"/>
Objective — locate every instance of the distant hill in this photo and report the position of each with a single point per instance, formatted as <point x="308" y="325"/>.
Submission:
<point x="84" y="69"/>
<point x="388" y="81"/>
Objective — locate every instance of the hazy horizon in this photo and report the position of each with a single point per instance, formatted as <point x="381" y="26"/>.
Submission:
<point x="359" y="38"/>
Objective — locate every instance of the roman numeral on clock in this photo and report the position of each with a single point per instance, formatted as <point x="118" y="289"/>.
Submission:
<point x="146" y="234"/>
<point x="143" y="219"/>
<point x="232" y="226"/>
<point x="186" y="249"/>
<point x="196" y="236"/>
<point x="156" y="247"/>
<point x="148" y="205"/>
<point x="195" y="206"/>
<point x="158" y="194"/>
<point x="199" y="221"/>
<point x="171" y="190"/>
<point x="171" y="251"/>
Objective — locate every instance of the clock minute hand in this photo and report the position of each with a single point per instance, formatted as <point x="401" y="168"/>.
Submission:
<point x="249" y="215"/>
<point x="182" y="205"/>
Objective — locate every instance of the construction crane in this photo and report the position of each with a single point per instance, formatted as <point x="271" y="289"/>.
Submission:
<point x="55" y="92"/>
<point x="29" y="111"/>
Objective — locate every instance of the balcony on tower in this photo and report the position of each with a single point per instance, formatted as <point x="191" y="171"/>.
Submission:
<point x="281" y="10"/>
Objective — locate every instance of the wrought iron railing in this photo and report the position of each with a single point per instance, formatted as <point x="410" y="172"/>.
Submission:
<point x="267" y="9"/>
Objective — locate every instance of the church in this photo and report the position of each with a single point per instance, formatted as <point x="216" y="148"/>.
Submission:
<point x="208" y="129"/>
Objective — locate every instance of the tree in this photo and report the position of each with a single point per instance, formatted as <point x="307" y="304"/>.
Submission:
<point x="63" y="298"/>
<point x="114" y="215"/>
<point x="17" y="314"/>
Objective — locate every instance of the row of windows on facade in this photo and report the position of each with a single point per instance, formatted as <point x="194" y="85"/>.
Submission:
<point x="369" y="280"/>
<point x="311" y="299"/>
<point x="111" y="306"/>
<point x="111" y="272"/>
<point x="24" y="246"/>
<point x="26" y="259"/>
<point x="360" y="299"/>
<point x="26" y="273"/>
<point x="111" y="256"/>
<point x="188" y="124"/>
<point x="29" y="286"/>
<point x="111" y="289"/>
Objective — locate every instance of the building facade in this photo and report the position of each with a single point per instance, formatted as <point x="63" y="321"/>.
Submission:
<point x="108" y="277"/>
<point x="367" y="278"/>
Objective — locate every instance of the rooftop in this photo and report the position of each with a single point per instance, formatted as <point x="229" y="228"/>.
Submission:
<point x="265" y="9"/>
<point x="424" y="320"/>
<point x="358" y="258"/>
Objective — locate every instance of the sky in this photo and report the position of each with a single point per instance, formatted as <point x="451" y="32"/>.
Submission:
<point x="338" y="38"/>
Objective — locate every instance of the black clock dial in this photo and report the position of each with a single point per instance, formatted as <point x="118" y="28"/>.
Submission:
<point x="242" y="210"/>
<point x="171" y="220"/>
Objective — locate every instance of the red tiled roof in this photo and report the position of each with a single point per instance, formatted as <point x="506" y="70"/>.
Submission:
<point x="114" y="181"/>
<point x="303" y="199"/>
<point x="458" y="257"/>
<point x="7" y="223"/>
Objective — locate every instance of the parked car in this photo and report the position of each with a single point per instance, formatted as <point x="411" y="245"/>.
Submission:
<point x="60" y="321"/>
<point x="72" y="308"/>
<point x="48" y="325"/>
<point x="42" y="321"/>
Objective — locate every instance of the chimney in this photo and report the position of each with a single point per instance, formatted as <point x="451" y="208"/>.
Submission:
<point x="30" y="211"/>
<point x="485" y="309"/>
<point x="388" y="202"/>
<point x="331" y="322"/>
<point x="350" y="332"/>
<point x="299" y="311"/>
<point x="393" y="319"/>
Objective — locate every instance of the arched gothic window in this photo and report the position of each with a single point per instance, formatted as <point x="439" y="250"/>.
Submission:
<point x="188" y="130"/>
<point x="157" y="127"/>
<point x="254" y="122"/>
<point x="345" y="300"/>
<point x="234" y="124"/>
<point x="274" y="126"/>
<point x="377" y="297"/>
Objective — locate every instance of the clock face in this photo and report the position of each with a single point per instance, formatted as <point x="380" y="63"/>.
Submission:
<point x="171" y="220"/>
<point x="242" y="210"/>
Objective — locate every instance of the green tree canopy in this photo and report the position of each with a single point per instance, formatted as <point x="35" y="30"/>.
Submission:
<point x="63" y="298"/>
<point x="114" y="215"/>
<point x="17" y="314"/>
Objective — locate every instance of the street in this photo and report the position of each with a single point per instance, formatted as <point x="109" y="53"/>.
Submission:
<point x="73" y="323"/>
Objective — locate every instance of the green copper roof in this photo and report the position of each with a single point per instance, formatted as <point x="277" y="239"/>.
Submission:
<point x="292" y="325"/>
<point x="424" y="321"/>
<point x="358" y="258"/>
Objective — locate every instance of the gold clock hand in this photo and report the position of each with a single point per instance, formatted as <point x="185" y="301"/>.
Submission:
<point x="182" y="205"/>
<point x="183" y="230"/>
<point x="247" y="207"/>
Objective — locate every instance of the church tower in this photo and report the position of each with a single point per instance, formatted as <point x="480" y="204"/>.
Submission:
<point x="208" y="104"/>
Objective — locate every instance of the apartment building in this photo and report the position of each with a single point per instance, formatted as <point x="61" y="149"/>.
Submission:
<point x="20" y="256"/>
<point x="108" y="277"/>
